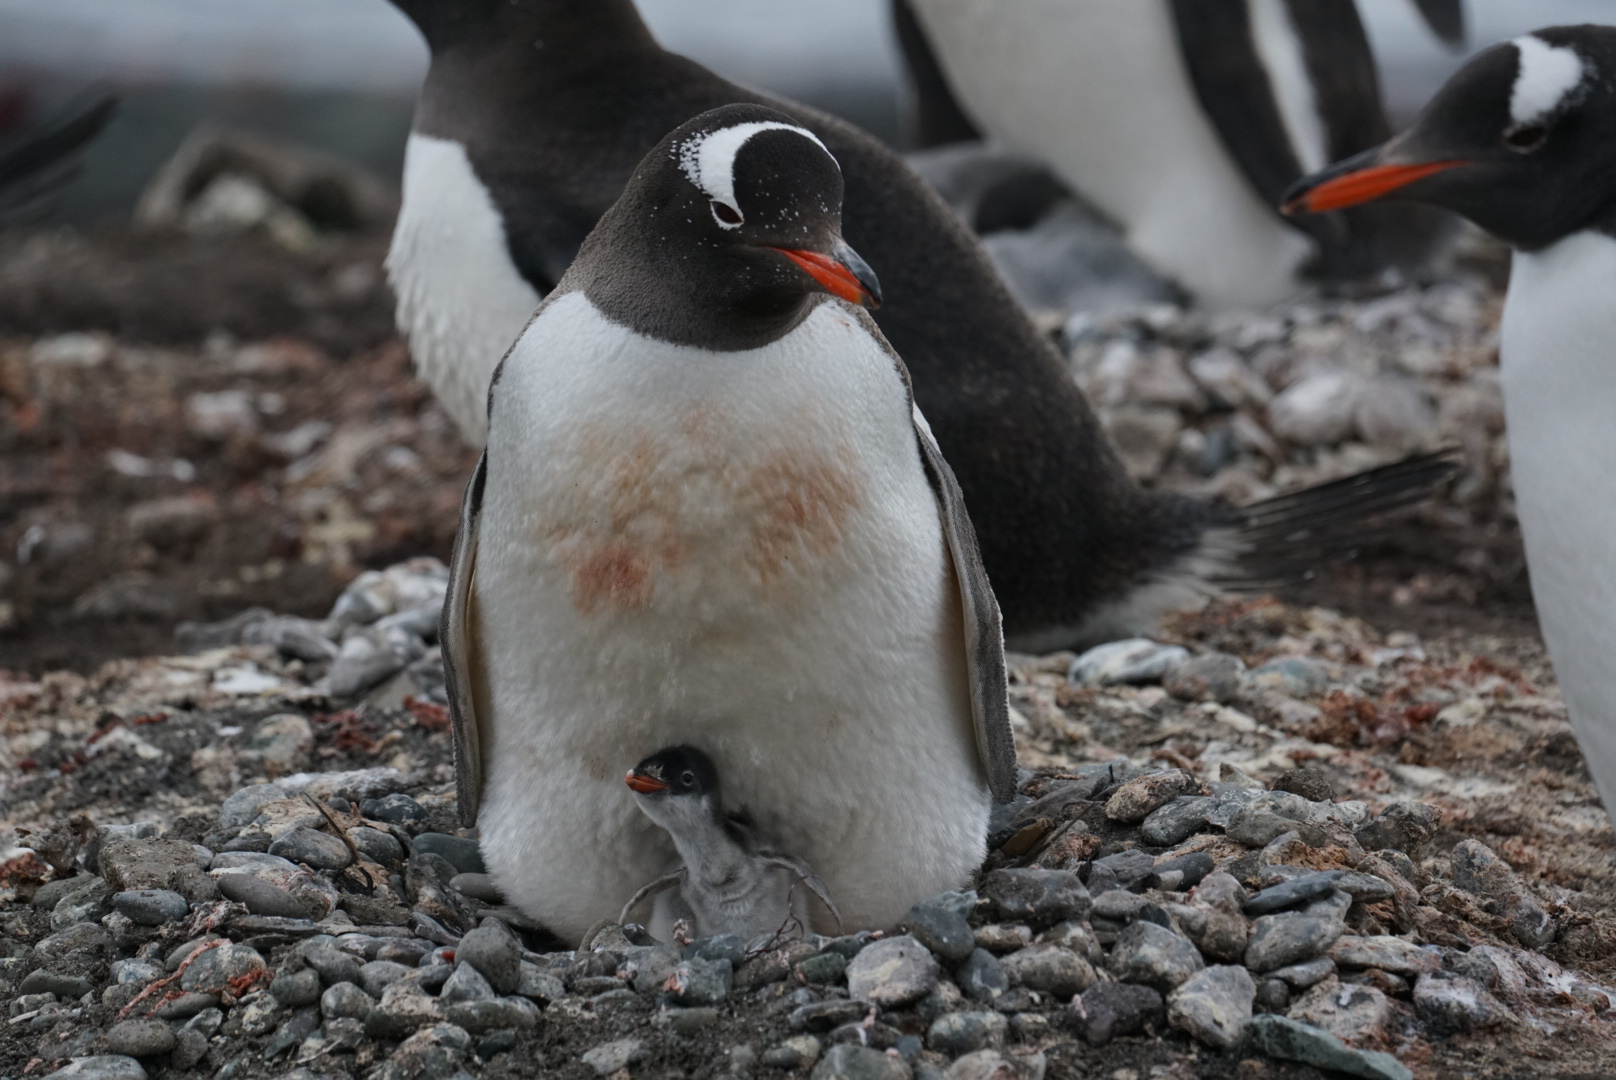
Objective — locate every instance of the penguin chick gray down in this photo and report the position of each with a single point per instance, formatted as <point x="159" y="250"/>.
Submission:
<point x="730" y="881"/>
<point x="709" y="511"/>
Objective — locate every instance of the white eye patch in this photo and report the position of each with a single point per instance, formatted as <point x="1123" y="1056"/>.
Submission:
<point x="709" y="161"/>
<point x="1548" y="73"/>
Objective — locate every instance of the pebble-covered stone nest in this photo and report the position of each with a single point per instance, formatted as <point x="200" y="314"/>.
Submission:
<point x="1271" y="843"/>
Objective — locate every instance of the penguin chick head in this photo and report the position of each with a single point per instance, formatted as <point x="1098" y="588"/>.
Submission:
<point x="676" y="787"/>
<point x="1521" y="140"/>
<point x="726" y="235"/>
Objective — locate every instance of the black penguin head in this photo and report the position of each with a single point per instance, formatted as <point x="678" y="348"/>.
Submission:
<point x="725" y="233"/>
<point x="675" y="772"/>
<point x="1521" y="140"/>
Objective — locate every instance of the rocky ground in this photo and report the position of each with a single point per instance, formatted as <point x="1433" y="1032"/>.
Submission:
<point x="1273" y="840"/>
<point x="1346" y="829"/>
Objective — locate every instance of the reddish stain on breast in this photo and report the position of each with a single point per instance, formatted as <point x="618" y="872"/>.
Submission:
<point x="799" y="507"/>
<point x="617" y="539"/>
<point x="615" y="574"/>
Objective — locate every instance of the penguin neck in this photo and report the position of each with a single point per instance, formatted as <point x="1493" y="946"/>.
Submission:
<point x="712" y="854"/>
<point x="701" y="300"/>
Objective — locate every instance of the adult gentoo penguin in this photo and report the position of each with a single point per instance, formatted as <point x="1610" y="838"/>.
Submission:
<point x="533" y="115"/>
<point x="1522" y="141"/>
<point x="1183" y="121"/>
<point x="710" y="512"/>
<point x="729" y="881"/>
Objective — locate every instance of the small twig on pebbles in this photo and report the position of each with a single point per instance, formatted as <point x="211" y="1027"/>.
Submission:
<point x="169" y="979"/>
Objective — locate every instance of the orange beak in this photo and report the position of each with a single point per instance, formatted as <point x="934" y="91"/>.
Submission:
<point x="644" y="783"/>
<point x="1351" y="188"/>
<point x="842" y="273"/>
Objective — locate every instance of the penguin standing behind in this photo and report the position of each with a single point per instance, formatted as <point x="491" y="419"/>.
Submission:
<point x="729" y="881"/>
<point x="710" y="512"/>
<point x="1181" y="120"/>
<point x="533" y="115"/>
<point x="1522" y="141"/>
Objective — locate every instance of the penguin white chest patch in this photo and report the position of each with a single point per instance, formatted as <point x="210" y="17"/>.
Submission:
<point x="461" y="300"/>
<point x="681" y="498"/>
<point x="666" y="479"/>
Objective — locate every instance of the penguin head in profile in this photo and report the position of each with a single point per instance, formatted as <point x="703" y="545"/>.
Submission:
<point x="676" y="788"/>
<point x="1521" y="141"/>
<point x="733" y="221"/>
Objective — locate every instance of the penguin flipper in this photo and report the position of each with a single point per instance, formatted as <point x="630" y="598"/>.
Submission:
<point x="984" y="629"/>
<point x="458" y="641"/>
<point x="1239" y="95"/>
<point x="806" y="875"/>
<point x="661" y="884"/>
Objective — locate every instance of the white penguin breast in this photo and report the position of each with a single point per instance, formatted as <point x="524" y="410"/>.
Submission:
<point x="738" y="551"/>
<point x="1097" y="89"/>
<point x="461" y="300"/>
<point x="1558" y="347"/>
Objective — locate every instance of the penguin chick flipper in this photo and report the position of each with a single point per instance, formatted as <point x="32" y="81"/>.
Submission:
<point x="806" y="875"/>
<point x="661" y="884"/>
<point x="461" y="660"/>
<point x="984" y="629"/>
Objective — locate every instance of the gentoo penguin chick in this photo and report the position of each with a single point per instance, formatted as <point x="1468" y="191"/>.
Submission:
<point x="730" y="881"/>
<point x="1182" y="121"/>
<point x="709" y="511"/>
<point x="515" y="155"/>
<point x="1522" y="141"/>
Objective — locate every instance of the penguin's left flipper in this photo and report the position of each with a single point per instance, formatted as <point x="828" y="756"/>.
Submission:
<point x="806" y="875"/>
<point x="661" y="884"/>
<point x="458" y="640"/>
<point x="984" y="628"/>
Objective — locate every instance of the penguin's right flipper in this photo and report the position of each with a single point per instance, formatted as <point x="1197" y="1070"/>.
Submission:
<point x="462" y="661"/>
<point x="806" y="875"/>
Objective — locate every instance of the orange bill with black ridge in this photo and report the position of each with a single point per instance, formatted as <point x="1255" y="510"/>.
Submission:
<point x="842" y="273"/>
<point x="1355" y="181"/>
<point x="644" y="782"/>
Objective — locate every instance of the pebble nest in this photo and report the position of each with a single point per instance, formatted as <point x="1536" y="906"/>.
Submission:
<point x="1272" y="842"/>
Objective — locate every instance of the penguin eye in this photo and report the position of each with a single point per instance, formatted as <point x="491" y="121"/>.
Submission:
<point x="1526" y="139"/>
<point x="688" y="779"/>
<point x="727" y="215"/>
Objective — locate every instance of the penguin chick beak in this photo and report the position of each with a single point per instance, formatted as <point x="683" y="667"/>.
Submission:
<point x="1359" y="179"/>
<point x="644" y="783"/>
<point x="843" y="273"/>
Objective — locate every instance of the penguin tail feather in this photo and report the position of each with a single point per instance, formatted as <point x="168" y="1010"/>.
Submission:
<point x="1288" y="538"/>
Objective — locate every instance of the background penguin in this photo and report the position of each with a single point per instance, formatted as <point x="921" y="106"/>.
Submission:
<point x="1182" y="121"/>
<point x="532" y="117"/>
<point x="1522" y="141"/>
<point x="709" y="511"/>
<point x="728" y="880"/>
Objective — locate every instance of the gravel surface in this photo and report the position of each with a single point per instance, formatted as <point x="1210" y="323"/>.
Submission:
<point x="1275" y="835"/>
<point x="1270" y="840"/>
